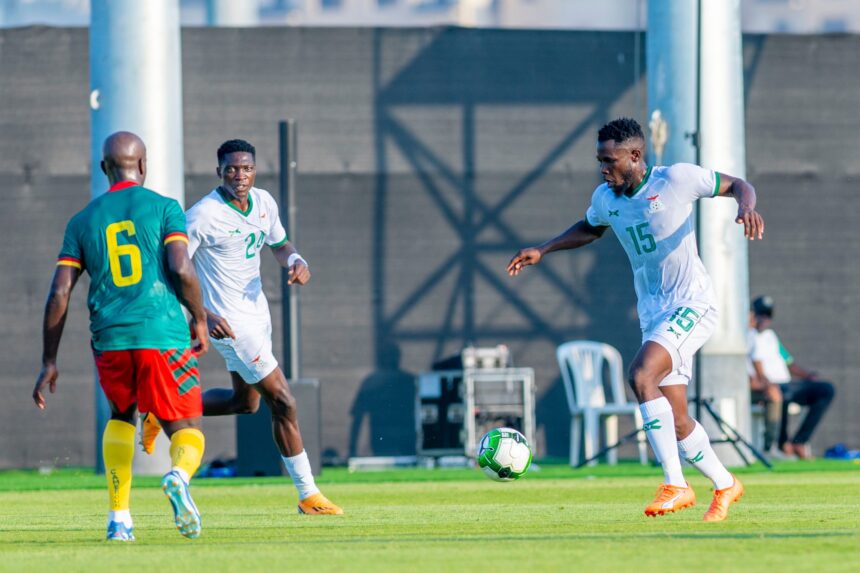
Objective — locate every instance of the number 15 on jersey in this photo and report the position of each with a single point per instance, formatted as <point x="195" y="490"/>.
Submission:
<point x="643" y="240"/>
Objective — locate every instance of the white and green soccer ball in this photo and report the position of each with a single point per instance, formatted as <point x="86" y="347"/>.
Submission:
<point x="504" y="454"/>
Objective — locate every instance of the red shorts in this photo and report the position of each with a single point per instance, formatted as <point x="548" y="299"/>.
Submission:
<point x="163" y="382"/>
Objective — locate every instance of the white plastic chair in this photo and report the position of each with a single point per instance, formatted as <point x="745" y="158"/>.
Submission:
<point x="582" y="363"/>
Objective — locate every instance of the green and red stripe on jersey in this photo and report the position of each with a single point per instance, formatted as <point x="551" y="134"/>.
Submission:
<point x="183" y="365"/>
<point x="119" y="186"/>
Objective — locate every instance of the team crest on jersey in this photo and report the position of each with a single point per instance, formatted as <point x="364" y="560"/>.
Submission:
<point x="654" y="204"/>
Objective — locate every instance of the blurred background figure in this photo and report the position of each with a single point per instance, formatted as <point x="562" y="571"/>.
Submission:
<point x="775" y="368"/>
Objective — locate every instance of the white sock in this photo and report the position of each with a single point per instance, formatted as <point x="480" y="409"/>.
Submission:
<point x="696" y="449"/>
<point x="660" y="429"/>
<point x="123" y="516"/>
<point x="299" y="468"/>
<point x="182" y="473"/>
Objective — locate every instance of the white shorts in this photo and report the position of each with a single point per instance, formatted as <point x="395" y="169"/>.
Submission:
<point x="682" y="333"/>
<point x="249" y="354"/>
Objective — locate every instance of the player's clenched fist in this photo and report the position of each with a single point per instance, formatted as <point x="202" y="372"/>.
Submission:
<point x="299" y="273"/>
<point x="524" y="258"/>
<point x="218" y="326"/>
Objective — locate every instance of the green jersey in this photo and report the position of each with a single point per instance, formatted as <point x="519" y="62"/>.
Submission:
<point x="120" y="239"/>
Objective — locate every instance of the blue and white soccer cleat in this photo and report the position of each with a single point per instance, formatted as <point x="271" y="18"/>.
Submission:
<point x="185" y="513"/>
<point x="118" y="531"/>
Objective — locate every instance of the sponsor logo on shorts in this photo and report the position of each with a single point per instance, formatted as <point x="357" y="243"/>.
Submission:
<point x="652" y="425"/>
<point x="613" y="213"/>
<point x="259" y="364"/>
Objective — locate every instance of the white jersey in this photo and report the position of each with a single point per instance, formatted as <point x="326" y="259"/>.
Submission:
<point x="225" y="245"/>
<point x="766" y="348"/>
<point x="655" y="227"/>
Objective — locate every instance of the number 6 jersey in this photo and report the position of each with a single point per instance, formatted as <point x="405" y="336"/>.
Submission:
<point x="225" y="244"/>
<point x="119" y="238"/>
<point x="655" y="227"/>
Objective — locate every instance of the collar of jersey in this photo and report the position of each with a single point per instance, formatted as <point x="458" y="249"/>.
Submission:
<point x="123" y="185"/>
<point x="226" y="198"/>
<point x="641" y="185"/>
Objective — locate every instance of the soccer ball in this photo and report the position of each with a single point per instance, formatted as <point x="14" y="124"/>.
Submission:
<point x="504" y="454"/>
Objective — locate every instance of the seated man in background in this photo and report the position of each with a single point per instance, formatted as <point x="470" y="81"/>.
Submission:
<point x="765" y="393"/>
<point x="774" y="366"/>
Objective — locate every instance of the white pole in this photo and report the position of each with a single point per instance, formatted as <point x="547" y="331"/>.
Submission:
<point x="477" y="14"/>
<point x="722" y="244"/>
<point x="674" y="99"/>
<point x="136" y="85"/>
<point x="233" y="13"/>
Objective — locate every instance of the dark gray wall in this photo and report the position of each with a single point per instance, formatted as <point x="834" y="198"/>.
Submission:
<point x="427" y="157"/>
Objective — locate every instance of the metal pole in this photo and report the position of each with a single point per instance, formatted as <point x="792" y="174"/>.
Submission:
<point x="722" y="245"/>
<point x="136" y="85"/>
<point x="232" y="13"/>
<point x="672" y="62"/>
<point x="288" y="153"/>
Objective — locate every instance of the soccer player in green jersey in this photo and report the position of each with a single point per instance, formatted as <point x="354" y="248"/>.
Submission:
<point x="133" y="243"/>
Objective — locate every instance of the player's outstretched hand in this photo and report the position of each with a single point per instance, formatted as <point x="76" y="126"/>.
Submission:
<point x="298" y="273"/>
<point x="47" y="377"/>
<point x="752" y="222"/>
<point x="218" y="327"/>
<point x="199" y="333"/>
<point x="524" y="258"/>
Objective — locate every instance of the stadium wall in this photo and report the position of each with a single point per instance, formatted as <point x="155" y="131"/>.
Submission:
<point x="426" y="158"/>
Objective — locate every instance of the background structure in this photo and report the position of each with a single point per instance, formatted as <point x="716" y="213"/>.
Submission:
<point x="427" y="157"/>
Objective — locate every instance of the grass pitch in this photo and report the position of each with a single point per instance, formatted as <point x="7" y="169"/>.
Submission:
<point x="801" y="517"/>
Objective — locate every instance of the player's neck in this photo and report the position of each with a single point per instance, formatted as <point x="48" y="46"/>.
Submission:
<point x="636" y="181"/>
<point x="240" y="202"/>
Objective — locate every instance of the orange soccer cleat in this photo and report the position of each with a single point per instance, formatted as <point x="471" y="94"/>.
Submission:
<point x="723" y="498"/>
<point x="149" y="429"/>
<point x="669" y="499"/>
<point x="318" y="504"/>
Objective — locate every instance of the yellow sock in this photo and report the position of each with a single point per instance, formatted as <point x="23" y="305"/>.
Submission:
<point x="117" y="451"/>
<point x="186" y="450"/>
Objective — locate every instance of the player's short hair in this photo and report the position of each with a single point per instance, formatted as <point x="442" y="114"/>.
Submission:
<point x="234" y="146"/>
<point x="621" y="130"/>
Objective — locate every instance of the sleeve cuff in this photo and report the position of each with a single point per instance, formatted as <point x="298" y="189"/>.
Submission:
<point x="69" y="262"/>
<point x="169" y="238"/>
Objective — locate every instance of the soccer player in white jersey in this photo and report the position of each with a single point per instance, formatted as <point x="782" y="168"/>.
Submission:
<point x="650" y="211"/>
<point x="227" y="230"/>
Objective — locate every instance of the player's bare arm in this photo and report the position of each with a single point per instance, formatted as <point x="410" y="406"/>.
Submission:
<point x="56" y="309"/>
<point x="770" y="389"/>
<point x="188" y="290"/>
<point x="578" y="235"/>
<point x="744" y="194"/>
<point x="802" y="373"/>
<point x="297" y="268"/>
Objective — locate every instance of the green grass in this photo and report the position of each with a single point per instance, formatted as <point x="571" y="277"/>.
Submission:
<point x="801" y="517"/>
